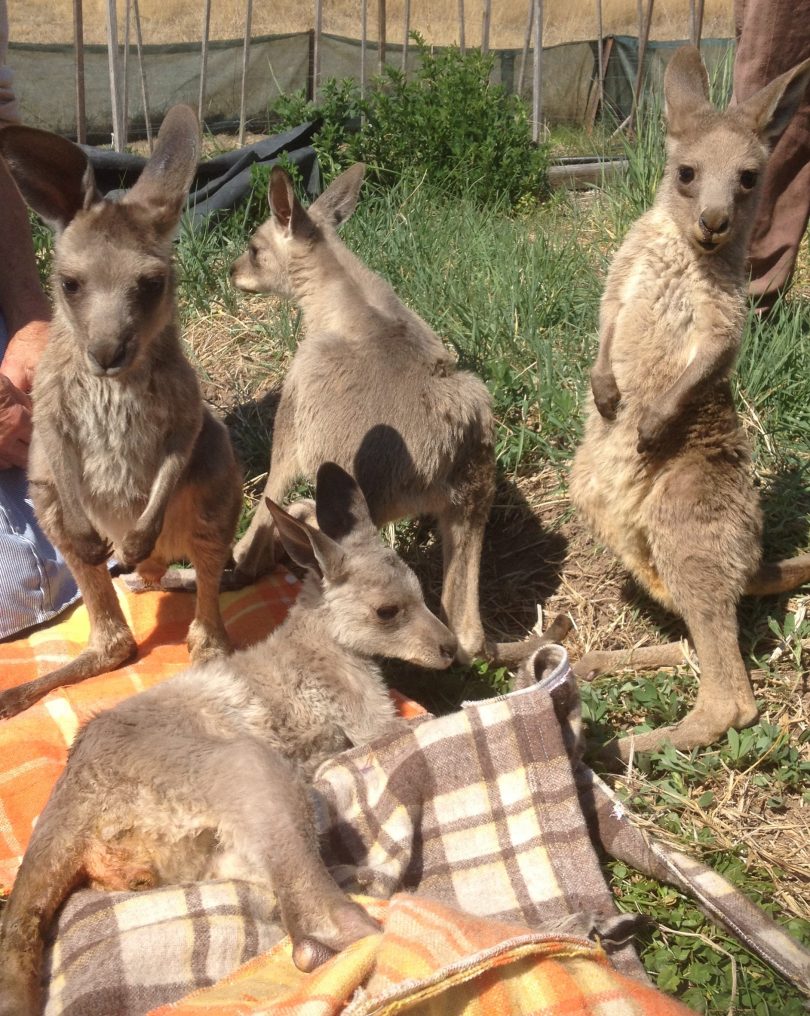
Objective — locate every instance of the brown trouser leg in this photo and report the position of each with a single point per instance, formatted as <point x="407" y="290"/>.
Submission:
<point x="772" y="37"/>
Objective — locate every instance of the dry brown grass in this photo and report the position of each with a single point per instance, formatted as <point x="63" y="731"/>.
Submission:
<point x="437" y="20"/>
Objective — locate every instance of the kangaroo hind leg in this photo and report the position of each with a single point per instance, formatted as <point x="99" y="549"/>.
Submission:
<point x="111" y="641"/>
<point x="269" y="823"/>
<point x="705" y="531"/>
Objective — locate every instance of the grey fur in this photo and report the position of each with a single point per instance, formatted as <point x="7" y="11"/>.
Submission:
<point x="374" y="389"/>
<point x="663" y="472"/>
<point x="124" y="456"/>
<point x="204" y="776"/>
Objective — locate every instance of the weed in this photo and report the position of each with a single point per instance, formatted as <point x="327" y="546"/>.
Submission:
<point x="448" y="121"/>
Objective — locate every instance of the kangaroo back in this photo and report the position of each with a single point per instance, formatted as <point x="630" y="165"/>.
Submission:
<point x="374" y="389"/>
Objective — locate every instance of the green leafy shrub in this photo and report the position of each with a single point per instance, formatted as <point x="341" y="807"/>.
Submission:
<point x="448" y="123"/>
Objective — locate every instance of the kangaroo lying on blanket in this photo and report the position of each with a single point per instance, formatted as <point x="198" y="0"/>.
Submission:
<point x="203" y="777"/>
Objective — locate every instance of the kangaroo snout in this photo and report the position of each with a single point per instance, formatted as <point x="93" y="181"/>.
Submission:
<point x="108" y="357"/>
<point x="241" y="275"/>
<point x="437" y="647"/>
<point x="713" y="228"/>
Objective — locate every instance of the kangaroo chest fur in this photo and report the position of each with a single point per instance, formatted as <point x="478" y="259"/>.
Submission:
<point x="119" y="430"/>
<point x="120" y="449"/>
<point x="670" y="301"/>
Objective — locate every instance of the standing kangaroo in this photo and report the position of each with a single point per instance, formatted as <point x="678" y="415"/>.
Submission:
<point x="124" y="458"/>
<point x="663" y="472"/>
<point x="203" y="776"/>
<point x="372" y="388"/>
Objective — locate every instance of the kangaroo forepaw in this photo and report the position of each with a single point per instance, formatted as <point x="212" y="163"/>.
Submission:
<point x="89" y="547"/>
<point x="652" y="430"/>
<point x="606" y="394"/>
<point x="136" y="546"/>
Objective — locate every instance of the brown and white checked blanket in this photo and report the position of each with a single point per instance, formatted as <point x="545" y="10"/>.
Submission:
<point x="489" y="809"/>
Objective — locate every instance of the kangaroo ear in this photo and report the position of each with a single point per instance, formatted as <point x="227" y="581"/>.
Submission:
<point x="286" y="208"/>
<point x="54" y="175"/>
<point x="163" y="186"/>
<point x="340" y="507"/>
<point x="686" y="88"/>
<point x="769" y="111"/>
<point x="307" y="546"/>
<point x="339" y="199"/>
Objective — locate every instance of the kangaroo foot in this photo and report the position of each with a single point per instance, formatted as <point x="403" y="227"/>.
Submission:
<point x="346" y="922"/>
<point x="701" y="727"/>
<point x="206" y="642"/>
<point x="254" y="555"/>
<point x="118" y="646"/>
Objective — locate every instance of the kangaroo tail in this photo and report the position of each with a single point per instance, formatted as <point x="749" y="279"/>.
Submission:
<point x="779" y="576"/>
<point x="510" y="654"/>
<point x="52" y="866"/>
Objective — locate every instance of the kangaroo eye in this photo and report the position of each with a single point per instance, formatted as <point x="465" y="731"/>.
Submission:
<point x="151" y="286"/>
<point x="70" y="286"/>
<point x="686" y="174"/>
<point x="748" y="179"/>
<point x="387" y="613"/>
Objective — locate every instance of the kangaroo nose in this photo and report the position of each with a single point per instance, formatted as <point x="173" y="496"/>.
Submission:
<point x="713" y="221"/>
<point x="108" y="355"/>
<point x="448" y="649"/>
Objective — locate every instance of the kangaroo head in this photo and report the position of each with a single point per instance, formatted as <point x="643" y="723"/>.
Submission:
<point x="286" y="239"/>
<point x="113" y="284"/>
<point x="374" y="600"/>
<point x="715" y="159"/>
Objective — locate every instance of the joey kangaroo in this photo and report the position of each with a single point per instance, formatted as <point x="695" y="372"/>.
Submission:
<point x="204" y="776"/>
<point x="372" y="388"/>
<point x="124" y="459"/>
<point x="663" y="472"/>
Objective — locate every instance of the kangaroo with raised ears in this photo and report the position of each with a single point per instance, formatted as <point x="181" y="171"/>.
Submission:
<point x="125" y="458"/>
<point x="372" y="388"/>
<point x="663" y="473"/>
<point x="204" y="776"/>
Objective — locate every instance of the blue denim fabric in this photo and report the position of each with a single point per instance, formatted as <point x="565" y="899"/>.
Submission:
<point x="35" y="582"/>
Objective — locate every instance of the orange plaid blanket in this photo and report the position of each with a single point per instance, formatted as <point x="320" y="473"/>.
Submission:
<point x="478" y="812"/>
<point x="434" y="960"/>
